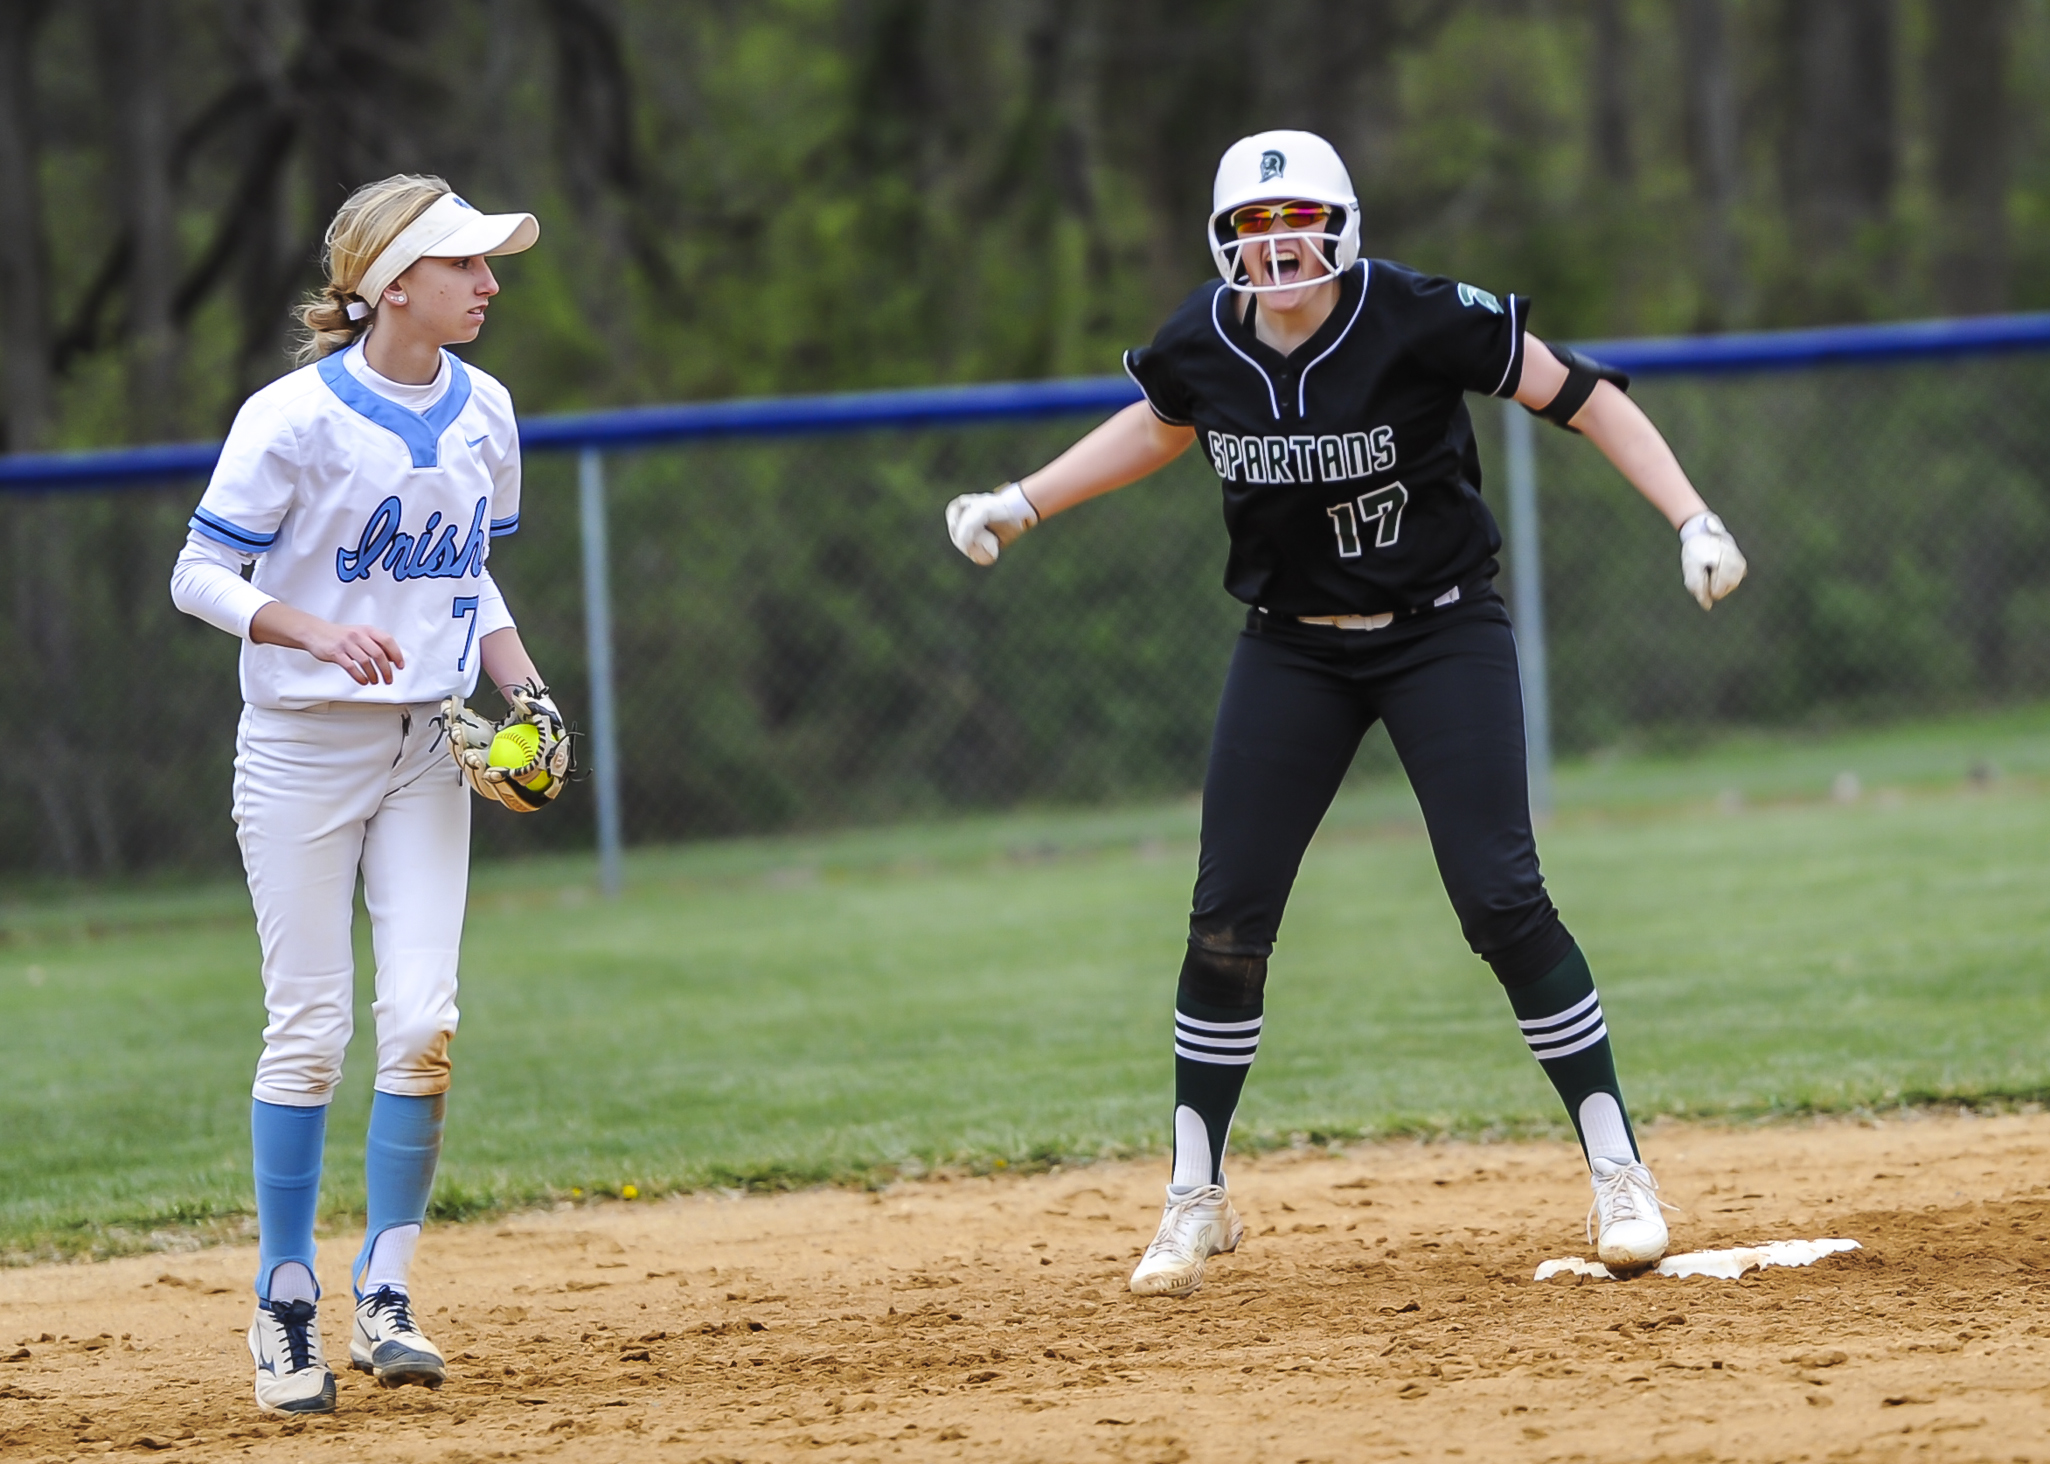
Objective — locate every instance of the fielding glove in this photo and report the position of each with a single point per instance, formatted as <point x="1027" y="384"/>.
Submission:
<point x="1710" y="562"/>
<point x="554" y="760"/>
<point x="983" y="524"/>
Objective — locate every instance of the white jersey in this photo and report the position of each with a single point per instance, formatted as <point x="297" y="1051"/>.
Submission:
<point x="366" y="503"/>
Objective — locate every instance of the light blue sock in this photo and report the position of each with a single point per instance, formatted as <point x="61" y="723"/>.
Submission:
<point x="286" y="1143"/>
<point x="398" y="1164"/>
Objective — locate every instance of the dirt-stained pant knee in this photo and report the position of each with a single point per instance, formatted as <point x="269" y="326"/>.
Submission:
<point x="1216" y="972"/>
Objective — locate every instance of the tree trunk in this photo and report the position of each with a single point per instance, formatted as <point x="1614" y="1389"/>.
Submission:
<point x="1842" y="153"/>
<point x="1712" y="147"/>
<point x="133" y="41"/>
<point x="1063" y="44"/>
<point x="1973" y="148"/>
<point x="41" y="613"/>
<point x="24" y="283"/>
<point x="1610" y="89"/>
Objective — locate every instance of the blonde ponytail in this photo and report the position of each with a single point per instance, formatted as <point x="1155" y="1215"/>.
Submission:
<point x="368" y="220"/>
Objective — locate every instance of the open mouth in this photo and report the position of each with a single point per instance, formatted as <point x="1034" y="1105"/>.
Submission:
<point x="1285" y="262"/>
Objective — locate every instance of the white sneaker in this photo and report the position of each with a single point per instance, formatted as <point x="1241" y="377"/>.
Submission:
<point x="1191" y="1232"/>
<point x="1625" y="1214"/>
<point x="291" y="1370"/>
<point x="389" y="1346"/>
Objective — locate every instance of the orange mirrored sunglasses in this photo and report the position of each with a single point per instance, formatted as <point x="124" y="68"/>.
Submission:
<point x="1298" y="217"/>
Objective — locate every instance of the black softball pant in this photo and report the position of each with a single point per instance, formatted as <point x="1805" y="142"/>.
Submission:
<point x="1296" y="703"/>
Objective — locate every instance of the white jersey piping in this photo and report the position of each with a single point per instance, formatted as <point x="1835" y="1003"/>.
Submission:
<point x="1515" y="349"/>
<point x="1303" y="383"/>
<point x="1273" y="402"/>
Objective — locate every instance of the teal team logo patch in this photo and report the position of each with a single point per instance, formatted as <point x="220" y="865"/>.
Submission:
<point x="1272" y="165"/>
<point x="1468" y="295"/>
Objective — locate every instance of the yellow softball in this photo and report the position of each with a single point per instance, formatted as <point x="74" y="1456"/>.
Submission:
<point x="518" y="746"/>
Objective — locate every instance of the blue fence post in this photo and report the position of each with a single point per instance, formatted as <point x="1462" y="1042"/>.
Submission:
<point x="1527" y="584"/>
<point x="598" y="643"/>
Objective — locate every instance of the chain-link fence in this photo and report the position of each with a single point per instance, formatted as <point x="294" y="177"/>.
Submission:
<point x="1897" y="520"/>
<point x="797" y="645"/>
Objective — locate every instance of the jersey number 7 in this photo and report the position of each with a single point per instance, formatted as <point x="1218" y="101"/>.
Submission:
<point x="1380" y="510"/>
<point x="465" y="605"/>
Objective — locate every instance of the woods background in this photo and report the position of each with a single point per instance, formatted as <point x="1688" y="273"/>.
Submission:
<point x="746" y="196"/>
<point x="752" y="196"/>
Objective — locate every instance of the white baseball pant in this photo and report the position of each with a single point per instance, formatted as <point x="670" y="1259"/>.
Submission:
<point x="320" y="794"/>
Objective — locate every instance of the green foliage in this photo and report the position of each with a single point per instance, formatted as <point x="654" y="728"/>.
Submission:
<point x="784" y="195"/>
<point x="775" y="1012"/>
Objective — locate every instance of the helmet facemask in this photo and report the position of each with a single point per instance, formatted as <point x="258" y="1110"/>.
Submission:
<point x="1232" y="250"/>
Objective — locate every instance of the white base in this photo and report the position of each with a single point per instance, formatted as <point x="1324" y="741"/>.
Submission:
<point x="1726" y="1265"/>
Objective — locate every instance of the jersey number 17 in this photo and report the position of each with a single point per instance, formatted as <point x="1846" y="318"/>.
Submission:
<point x="1379" y="512"/>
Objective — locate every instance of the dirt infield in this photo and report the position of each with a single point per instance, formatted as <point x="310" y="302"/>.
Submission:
<point x="1381" y="1307"/>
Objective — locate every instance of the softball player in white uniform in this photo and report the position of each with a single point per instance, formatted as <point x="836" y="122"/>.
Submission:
<point x="366" y="488"/>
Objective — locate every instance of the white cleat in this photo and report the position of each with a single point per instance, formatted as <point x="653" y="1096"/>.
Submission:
<point x="389" y="1345"/>
<point x="1191" y="1232"/>
<point x="292" y="1376"/>
<point x="1625" y="1215"/>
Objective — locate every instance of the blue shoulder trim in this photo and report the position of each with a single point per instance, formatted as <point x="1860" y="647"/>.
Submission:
<point x="218" y="529"/>
<point x="501" y="527"/>
<point x="420" y="431"/>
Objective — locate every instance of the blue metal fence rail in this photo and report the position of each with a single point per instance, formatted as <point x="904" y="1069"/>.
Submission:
<point x="1779" y="350"/>
<point x="591" y="434"/>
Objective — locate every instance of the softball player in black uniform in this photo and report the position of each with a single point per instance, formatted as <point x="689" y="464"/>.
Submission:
<point x="1328" y="393"/>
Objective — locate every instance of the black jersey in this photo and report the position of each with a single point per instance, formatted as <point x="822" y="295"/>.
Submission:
<point x="1351" y="482"/>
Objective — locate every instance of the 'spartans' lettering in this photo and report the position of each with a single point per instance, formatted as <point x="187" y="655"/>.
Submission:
<point x="1327" y="459"/>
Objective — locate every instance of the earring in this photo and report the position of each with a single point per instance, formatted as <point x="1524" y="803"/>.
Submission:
<point x="398" y="299"/>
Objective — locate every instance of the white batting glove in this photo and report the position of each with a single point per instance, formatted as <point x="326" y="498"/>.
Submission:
<point x="983" y="524"/>
<point x="1710" y="562"/>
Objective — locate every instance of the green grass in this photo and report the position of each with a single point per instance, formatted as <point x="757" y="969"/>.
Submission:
<point x="783" y="1011"/>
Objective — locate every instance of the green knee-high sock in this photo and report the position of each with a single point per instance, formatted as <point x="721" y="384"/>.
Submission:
<point x="1561" y="1017"/>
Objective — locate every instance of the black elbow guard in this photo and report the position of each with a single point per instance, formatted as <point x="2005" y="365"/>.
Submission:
<point x="1582" y="375"/>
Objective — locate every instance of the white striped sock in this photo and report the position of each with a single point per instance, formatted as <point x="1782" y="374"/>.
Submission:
<point x="1576" y="1029"/>
<point x="1227" y="1044"/>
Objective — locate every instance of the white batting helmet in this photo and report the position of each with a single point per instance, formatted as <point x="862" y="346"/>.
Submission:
<point x="1273" y="167"/>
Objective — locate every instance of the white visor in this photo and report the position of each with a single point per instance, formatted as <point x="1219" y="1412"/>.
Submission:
<point x="450" y="229"/>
